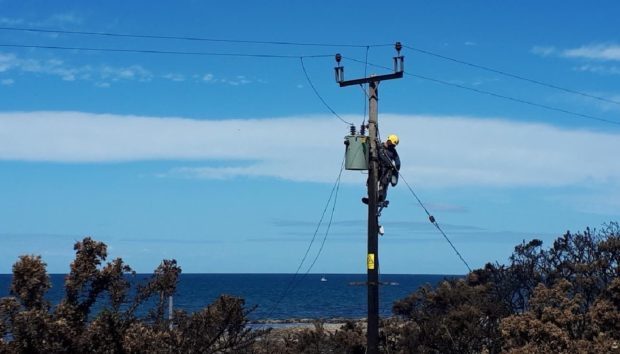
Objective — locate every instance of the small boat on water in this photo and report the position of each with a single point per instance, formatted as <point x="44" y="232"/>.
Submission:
<point x="323" y="278"/>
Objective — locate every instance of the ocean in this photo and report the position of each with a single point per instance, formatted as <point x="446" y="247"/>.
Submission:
<point x="308" y="297"/>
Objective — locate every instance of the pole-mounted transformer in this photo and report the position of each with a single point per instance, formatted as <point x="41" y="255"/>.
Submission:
<point x="357" y="150"/>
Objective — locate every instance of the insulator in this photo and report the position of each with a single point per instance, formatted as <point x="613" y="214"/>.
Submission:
<point x="352" y="129"/>
<point x="339" y="72"/>
<point x="362" y="129"/>
<point x="398" y="64"/>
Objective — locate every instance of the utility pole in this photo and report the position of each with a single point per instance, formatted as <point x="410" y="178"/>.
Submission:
<point x="372" y="258"/>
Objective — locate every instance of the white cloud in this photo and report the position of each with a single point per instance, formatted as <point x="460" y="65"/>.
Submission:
<point x="599" y="69"/>
<point x="7" y="82"/>
<point x="543" y="50"/>
<point x="133" y="72"/>
<point x="436" y="151"/>
<point x="7" y="62"/>
<point x="174" y="77"/>
<point x="604" y="52"/>
<point x="67" y="72"/>
<point x="103" y="73"/>
<point x="64" y="18"/>
<point x="11" y="21"/>
<point x="59" y="19"/>
<point x="237" y="81"/>
<point x="469" y="43"/>
<point x="242" y="80"/>
<point x="589" y="53"/>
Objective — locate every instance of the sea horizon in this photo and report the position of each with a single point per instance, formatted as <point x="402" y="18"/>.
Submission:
<point x="276" y="296"/>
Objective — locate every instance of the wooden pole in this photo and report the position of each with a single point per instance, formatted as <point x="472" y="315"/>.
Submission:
<point x="373" y="227"/>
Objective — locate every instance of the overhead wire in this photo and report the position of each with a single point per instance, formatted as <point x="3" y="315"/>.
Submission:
<point x="262" y="55"/>
<point x="514" y="76"/>
<point x="362" y="86"/>
<point x="329" y="224"/>
<point x="431" y="218"/>
<point x="185" y="38"/>
<point x="293" y="282"/>
<point x="316" y="92"/>
<point x="433" y="221"/>
<point x="497" y="95"/>
<point x="155" y="51"/>
<point x="150" y="51"/>
<point x="293" y="43"/>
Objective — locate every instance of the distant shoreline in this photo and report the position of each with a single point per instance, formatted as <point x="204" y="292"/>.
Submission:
<point x="306" y="320"/>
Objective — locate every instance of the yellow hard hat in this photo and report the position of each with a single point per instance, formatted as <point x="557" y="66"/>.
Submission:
<point x="393" y="138"/>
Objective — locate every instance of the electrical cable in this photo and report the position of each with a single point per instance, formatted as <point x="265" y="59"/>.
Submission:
<point x="289" y="43"/>
<point x="514" y="76"/>
<point x="329" y="224"/>
<point x="303" y="67"/>
<point x="292" y="283"/>
<point x="186" y="38"/>
<point x="150" y="51"/>
<point x="431" y="218"/>
<point x="362" y="86"/>
<point x="154" y="51"/>
<point x="518" y="100"/>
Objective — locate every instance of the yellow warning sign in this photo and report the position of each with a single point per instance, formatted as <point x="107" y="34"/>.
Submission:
<point x="371" y="261"/>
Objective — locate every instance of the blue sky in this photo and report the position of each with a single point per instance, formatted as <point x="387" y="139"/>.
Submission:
<point x="226" y="163"/>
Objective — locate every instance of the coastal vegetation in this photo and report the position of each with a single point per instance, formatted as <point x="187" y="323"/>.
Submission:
<point x="560" y="299"/>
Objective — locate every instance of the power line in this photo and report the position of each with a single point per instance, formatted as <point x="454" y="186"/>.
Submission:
<point x="518" y="100"/>
<point x="514" y="76"/>
<point x="185" y="38"/>
<point x="291" y="284"/>
<point x="288" y="43"/>
<point x="362" y="86"/>
<point x="154" y="51"/>
<point x="329" y="224"/>
<point x="259" y="55"/>
<point x="303" y="67"/>
<point x="431" y="218"/>
<point x="292" y="43"/>
<point x="151" y="51"/>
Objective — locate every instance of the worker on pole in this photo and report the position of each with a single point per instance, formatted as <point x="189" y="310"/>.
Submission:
<point x="389" y="165"/>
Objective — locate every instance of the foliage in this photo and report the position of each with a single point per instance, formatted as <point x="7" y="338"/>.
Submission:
<point x="563" y="299"/>
<point x="29" y="325"/>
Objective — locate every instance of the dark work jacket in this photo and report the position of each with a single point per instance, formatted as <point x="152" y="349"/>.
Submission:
<point x="388" y="156"/>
